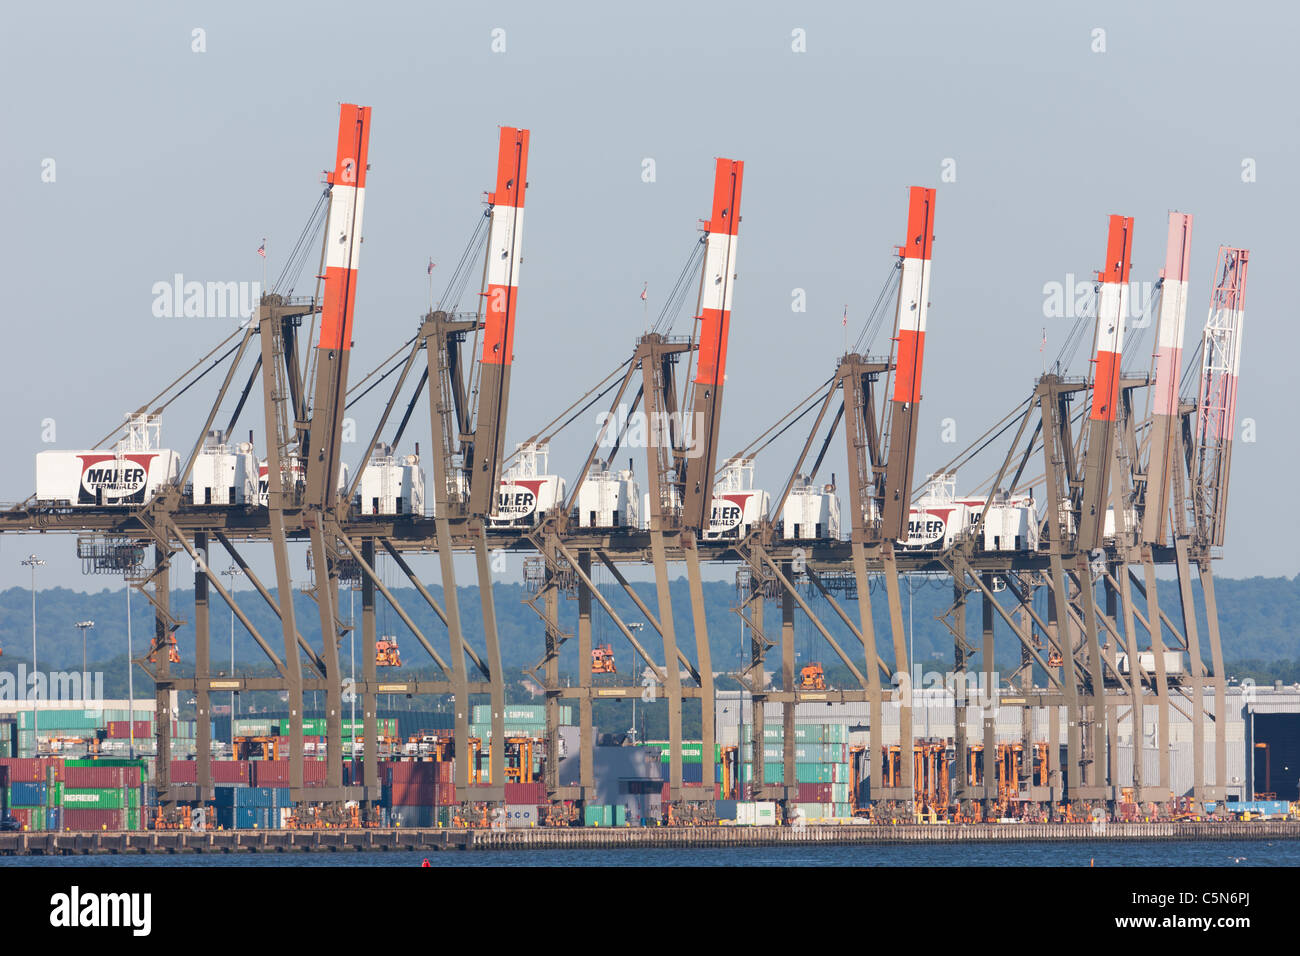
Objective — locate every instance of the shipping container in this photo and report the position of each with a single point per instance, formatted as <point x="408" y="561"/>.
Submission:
<point x="27" y="794"/>
<point x="82" y="777"/>
<point x="103" y="798"/>
<point x="230" y="771"/>
<point x="837" y="733"/>
<point x="122" y="729"/>
<point x="411" y="816"/>
<point x="521" y="814"/>
<point x="32" y="769"/>
<point x="526" y="793"/>
<point x="84" y="819"/>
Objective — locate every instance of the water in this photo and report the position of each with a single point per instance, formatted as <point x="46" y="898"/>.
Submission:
<point x="1226" y="853"/>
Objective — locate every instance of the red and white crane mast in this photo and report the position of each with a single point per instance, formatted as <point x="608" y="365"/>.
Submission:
<point x="909" y="323"/>
<point x="1112" y="307"/>
<point x="500" y="291"/>
<point x="717" y="280"/>
<point x="342" y="257"/>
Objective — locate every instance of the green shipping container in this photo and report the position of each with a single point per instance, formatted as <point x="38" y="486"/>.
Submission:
<point x="692" y="751"/>
<point x="598" y="816"/>
<point x="104" y="798"/>
<point x="620" y="815"/>
<point x="520" y="714"/>
<point x="803" y="733"/>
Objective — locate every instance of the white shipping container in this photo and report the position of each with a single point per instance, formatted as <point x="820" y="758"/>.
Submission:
<point x="521" y="815"/>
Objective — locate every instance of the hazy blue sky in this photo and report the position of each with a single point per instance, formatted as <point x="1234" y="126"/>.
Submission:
<point x="169" y="160"/>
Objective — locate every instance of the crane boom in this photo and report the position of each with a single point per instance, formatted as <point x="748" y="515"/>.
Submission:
<point x="909" y="325"/>
<point x="1170" y="327"/>
<point x="500" y="288"/>
<point x="717" y="278"/>
<point x="1216" y="409"/>
<point x="342" y="256"/>
<point x="1112" y="307"/>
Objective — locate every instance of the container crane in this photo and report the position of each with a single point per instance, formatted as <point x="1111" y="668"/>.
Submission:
<point x="324" y="437"/>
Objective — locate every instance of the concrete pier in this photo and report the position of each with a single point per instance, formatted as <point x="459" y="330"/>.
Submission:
<point x="587" y="838"/>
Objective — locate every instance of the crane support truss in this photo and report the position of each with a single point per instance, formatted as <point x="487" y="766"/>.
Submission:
<point x="1081" y="606"/>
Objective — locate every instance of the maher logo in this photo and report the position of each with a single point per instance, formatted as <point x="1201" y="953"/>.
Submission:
<point x="927" y="527"/>
<point x="518" y="499"/>
<point x="727" y="513"/>
<point x="76" y="909"/>
<point x="107" y="479"/>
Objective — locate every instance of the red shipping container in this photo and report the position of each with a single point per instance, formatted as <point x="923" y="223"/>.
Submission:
<point x="94" y="820"/>
<point x="533" y="793"/>
<point x="229" y="771"/>
<point x="32" y="769"/>
<point x="445" y="771"/>
<point x="185" y="771"/>
<point x="121" y="729"/>
<point x="99" y="777"/>
<point x="313" y="773"/>
<point x="23" y="816"/>
<point x="413" y="771"/>
<point x="447" y="794"/>
<point x="815" y="793"/>
<point x="271" y="773"/>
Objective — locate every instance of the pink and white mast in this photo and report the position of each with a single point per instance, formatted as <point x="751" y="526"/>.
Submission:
<point x="1170" y="327"/>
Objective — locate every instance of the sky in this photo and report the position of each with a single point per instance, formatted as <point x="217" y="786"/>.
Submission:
<point x="158" y="139"/>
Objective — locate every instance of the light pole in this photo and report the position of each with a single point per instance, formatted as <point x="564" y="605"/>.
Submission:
<point x="33" y="562"/>
<point x="130" y="679"/>
<point x="83" y="626"/>
<point x="232" y="572"/>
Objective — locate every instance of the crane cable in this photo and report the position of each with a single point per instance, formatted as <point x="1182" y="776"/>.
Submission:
<point x="672" y="307"/>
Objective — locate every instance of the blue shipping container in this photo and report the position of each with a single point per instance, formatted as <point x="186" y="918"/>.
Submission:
<point x="54" y="818"/>
<point x="27" y="794"/>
